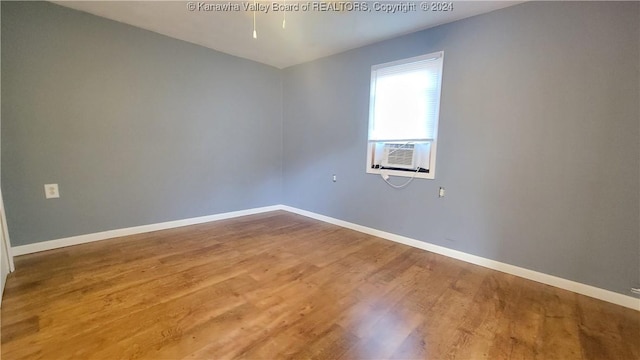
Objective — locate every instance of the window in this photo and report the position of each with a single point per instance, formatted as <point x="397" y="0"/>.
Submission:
<point x="403" y="117"/>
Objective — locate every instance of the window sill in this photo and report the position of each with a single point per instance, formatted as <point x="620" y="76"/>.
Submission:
<point x="401" y="173"/>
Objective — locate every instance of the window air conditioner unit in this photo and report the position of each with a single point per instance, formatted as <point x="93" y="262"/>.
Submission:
<point x="401" y="156"/>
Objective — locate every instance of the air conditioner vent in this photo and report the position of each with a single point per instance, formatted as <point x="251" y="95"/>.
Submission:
<point x="401" y="156"/>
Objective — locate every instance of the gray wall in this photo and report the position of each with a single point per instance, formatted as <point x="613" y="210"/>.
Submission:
<point x="538" y="140"/>
<point x="135" y="127"/>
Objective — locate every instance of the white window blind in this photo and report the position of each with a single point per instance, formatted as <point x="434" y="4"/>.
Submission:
<point x="405" y="99"/>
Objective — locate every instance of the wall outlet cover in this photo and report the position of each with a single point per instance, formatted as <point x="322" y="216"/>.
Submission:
<point x="51" y="191"/>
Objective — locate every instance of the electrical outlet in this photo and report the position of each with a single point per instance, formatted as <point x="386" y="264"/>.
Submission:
<point x="51" y="191"/>
<point x="335" y="178"/>
<point x="441" y="192"/>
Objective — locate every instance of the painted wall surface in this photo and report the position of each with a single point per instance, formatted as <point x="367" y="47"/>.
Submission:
<point x="539" y="144"/>
<point x="135" y="127"/>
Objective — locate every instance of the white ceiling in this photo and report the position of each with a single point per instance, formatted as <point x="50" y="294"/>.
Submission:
<point x="308" y="35"/>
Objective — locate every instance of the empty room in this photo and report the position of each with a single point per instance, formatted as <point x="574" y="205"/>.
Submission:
<point x="320" y="180"/>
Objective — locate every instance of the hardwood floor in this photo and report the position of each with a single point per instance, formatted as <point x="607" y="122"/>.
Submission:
<point x="279" y="285"/>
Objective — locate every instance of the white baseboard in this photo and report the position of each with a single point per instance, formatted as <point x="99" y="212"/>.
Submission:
<point x="83" y="239"/>
<point x="588" y="290"/>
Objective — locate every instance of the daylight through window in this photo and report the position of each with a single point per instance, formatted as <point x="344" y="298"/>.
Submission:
<point x="403" y="116"/>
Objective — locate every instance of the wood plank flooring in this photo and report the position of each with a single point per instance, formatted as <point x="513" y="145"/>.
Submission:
<point x="279" y="286"/>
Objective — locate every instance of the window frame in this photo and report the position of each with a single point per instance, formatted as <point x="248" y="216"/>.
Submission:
<point x="438" y="55"/>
